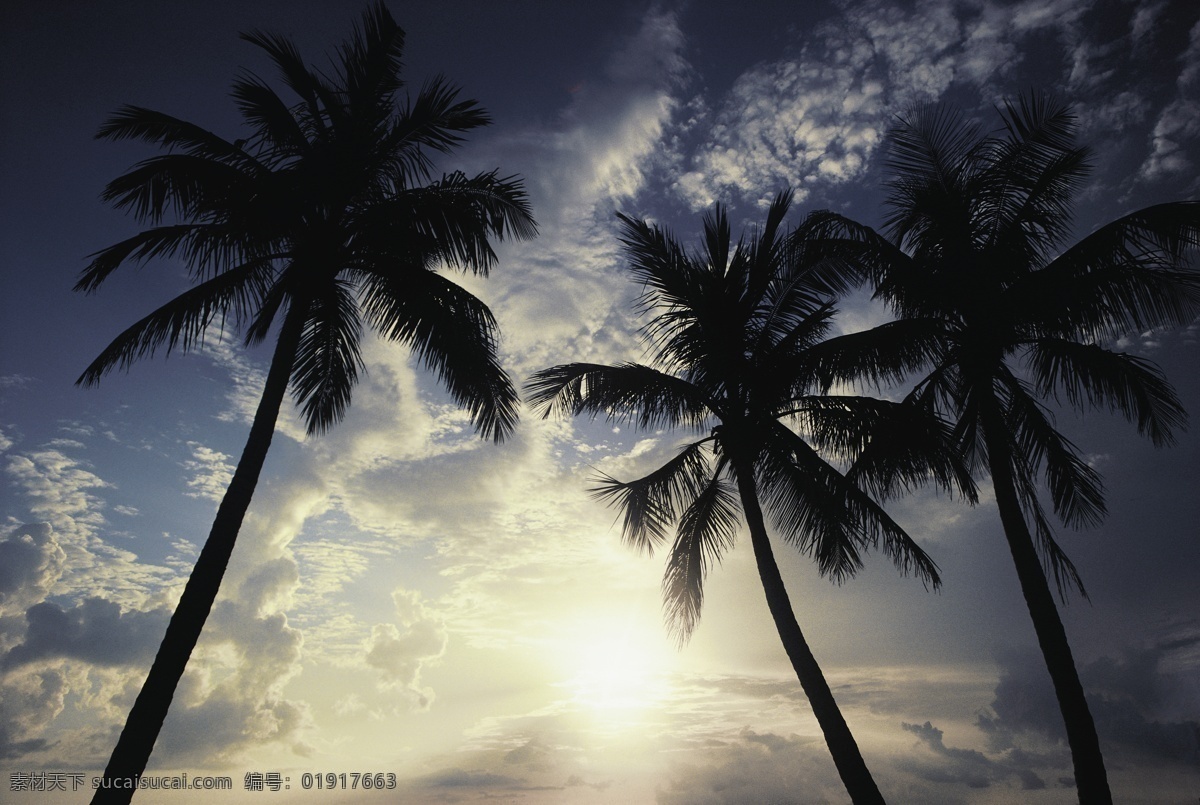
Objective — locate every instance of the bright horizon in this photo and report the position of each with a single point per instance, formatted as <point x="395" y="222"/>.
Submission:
<point x="408" y="599"/>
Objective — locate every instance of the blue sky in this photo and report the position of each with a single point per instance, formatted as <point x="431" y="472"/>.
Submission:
<point x="408" y="599"/>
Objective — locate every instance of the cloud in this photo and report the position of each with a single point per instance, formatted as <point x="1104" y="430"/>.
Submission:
<point x="963" y="766"/>
<point x="756" y="767"/>
<point x="30" y="702"/>
<point x="1177" y="130"/>
<point x="561" y="296"/>
<point x="232" y="697"/>
<point x="1134" y="702"/>
<point x="817" y="117"/>
<point x="1137" y="705"/>
<point x="95" y="631"/>
<point x="64" y="493"/>
<point x="400" y="655"/>
<point x="60" y="490"/>
<point x="211" y="470"/>
<point x="31" y="562"/>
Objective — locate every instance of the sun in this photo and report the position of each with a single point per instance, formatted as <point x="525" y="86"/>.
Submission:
<point x="620" y="666"/>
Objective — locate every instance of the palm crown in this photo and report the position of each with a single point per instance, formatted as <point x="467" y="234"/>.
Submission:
<point x="326" y="211"/>
<point x="736" y="355"/>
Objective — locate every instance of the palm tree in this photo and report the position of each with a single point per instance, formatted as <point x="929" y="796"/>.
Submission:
<point x="737" y="349"/>
<point x="999" y="316"/>
<point x="323" y="216"/>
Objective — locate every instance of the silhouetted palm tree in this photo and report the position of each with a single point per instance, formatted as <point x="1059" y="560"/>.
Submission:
<point x="323" y="216"/>
<point x="1000" y="315"/>
<point x="737" y="349"/>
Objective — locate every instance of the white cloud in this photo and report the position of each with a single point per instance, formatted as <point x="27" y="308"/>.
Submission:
<point x="817" y="117"/>
<point x="211" y="470"/>
<point x="399" y="655"/>
<point x="232" y="699"/>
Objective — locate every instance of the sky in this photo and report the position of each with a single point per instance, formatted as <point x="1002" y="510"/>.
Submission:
<point x="410" y="600"/>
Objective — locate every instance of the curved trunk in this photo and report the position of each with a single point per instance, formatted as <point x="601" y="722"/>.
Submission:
<point x="129" y="758"/>
<point x="1091" y="780"/>
<point x="846" y="756"/>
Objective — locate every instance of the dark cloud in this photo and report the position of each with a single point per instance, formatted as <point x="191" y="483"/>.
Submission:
<point x="1136" y="704"/>
<point x="31" y="560"/>
<point x="966" y="766"/>
<point x="757" y="767"/>
<point x="95" y="630"/>
<point x="1144" y="715"/>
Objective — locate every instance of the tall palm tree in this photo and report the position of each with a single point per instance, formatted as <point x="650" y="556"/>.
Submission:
<point x="737" y="349"/>
<point x="1004" y="315"/>
<point x="323" y="216"/>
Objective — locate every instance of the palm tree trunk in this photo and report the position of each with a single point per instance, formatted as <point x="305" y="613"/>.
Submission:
<point x="132" y="752"/>
<point x="1091" y="780"/>
<point x="842" y="746"/>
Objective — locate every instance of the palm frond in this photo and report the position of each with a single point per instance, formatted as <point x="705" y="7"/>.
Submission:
<point x="1066" y="575"/>
<point x="825" y="515"/>
<point x="434" y="121"/>
<point x="1075" y="487"/>
<point x="190" y="186"/>
<point x="452" y="332"/>
<point x="163" y="241"/>
<point x="1090" y="375"/>
<point x="886" y="354"/>
<point x="627" y="392"/>
<point x="1032" y="176"/>
<point x="296" y="76"/>
<point x="908" y="446"/>
<point x="273" y="120"/>
<point x="369" y="63"/>
<point x="451" y="220"/>
<point x="650" y="504"/>
<point x="327" y="358"/>
<point x="158" y="128"/>
<point x="707" y="529"/>
<point x="1130" y="275"/>
<point x="182" y="322"/>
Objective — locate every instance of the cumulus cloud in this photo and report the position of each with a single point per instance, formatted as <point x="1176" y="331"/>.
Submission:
<point x="561" y="297"/>
<point x="400" y="655"/>
<point x="95" y="631"/>
<point x="31" y="562"/>
<point x="232" y="697"/>
<point x="1134" y="701"/>
<point x="59" y="490"/>
<point x="1139" y="705"/>
<point x="816" y="117"/>
<point x="30" y="702"/>
<point x="66" y="494"/>
<point x="968" y="767"/>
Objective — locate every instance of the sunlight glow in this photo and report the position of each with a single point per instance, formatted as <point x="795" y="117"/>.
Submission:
<point x="620" y="667"/>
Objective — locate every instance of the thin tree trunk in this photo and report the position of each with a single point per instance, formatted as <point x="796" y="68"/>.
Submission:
<point x="1091" y="780"/>
<point x="132" y="752"/>
<point x="842" y="746"/>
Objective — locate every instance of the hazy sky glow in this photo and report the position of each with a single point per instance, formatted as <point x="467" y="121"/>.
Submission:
<point x="408" y="599"/>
